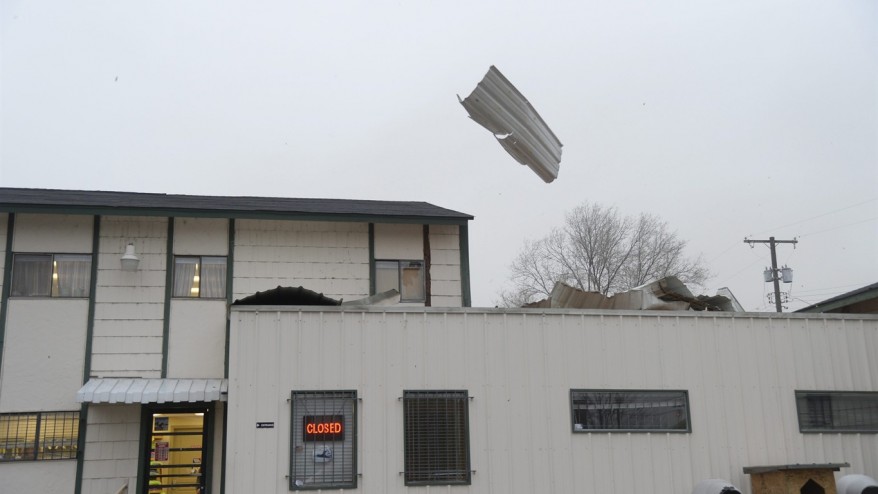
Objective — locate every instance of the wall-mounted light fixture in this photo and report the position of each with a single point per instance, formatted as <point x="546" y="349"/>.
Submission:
<point x="130" y="261"/>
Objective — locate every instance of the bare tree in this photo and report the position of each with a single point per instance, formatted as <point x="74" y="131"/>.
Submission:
<point x="602" y="251"/>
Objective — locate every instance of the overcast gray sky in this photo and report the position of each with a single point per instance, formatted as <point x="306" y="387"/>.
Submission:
<point x="727" y="119"/>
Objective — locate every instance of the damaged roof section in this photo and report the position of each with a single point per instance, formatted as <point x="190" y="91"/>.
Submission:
<point x="496" y="105"/>
<point x="665" y="294"/>
<point x="287" y="295"/>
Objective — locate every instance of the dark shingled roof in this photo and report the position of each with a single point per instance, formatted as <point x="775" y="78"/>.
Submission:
<point x="107" y="202"/>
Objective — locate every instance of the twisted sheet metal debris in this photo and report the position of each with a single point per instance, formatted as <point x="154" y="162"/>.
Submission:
<point x="496" y="105"/>
<point x="665" y="294"/>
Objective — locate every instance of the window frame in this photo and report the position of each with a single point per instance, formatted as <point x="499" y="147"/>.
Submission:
<point x="349" y="438"/>
<point x="681" y="392"/>
<point x="200" y="273"/>
<point x="399" y="278"/>
<point x="805" y="429"/>
<point x="53" y="273"/>
<point x="38" y="436"/>
<point x="462" y="396"/>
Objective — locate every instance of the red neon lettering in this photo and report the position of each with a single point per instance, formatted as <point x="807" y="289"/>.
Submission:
<point x="323" y="428"/>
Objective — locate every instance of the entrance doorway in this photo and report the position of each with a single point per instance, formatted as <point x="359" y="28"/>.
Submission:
<point x="175" y="456"/>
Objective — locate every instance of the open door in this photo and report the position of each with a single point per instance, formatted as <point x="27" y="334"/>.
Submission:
<point x="175" y="451"/>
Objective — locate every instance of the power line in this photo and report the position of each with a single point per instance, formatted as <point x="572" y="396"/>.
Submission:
<point x="840" y="226"/>
<point x="819" y="215"/>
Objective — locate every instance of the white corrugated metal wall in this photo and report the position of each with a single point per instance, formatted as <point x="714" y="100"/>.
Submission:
<point x="741" y="372"/>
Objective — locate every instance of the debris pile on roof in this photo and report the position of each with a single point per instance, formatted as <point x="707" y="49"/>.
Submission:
<point x="665" y="294"/>
<point x="496" y="105"/>
<point x="287" y="295"/>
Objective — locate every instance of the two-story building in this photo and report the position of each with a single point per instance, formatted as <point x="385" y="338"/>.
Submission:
<point x="113" y="318"/>
<point x="127" y="366"/>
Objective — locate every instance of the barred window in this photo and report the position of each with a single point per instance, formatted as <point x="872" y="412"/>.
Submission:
<point x="436" y="431"/>
<point x="51" y="275"/>
<point x="323" y="443"/>
<point x="837" y="411"/>
<point x="630" y="411"/>
<point x="38" y="436"/>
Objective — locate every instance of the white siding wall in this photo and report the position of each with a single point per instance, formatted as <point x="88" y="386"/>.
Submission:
<point x="43" y="355"/>
<point x="111" y="449"/>
<point x="399" y="242"/>
<point x="53" y="233"/>
<point x="196" y="346"/>
<point x="740" y="371"/>
<point x="129" y="306"/>
<point x="327" y="257"/>
<point x="44" y="351"/>
<point x="201" y="236"/>
<point x="38" y="477"/>
<point x="197" y="343"/>
<point x="445" y="266"/>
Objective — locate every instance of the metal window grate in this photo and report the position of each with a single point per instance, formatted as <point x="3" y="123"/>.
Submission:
<point x="837" y="411"/>
<point x="630" y="410"/>
<point x="39" y="436"/>
<point x="323" y="443"/>
<point x="436" y="437"/>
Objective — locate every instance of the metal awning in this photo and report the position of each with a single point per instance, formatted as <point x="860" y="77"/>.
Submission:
<point x="128" y="390"/>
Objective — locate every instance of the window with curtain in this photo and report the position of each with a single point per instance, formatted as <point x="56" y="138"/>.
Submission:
<point x="407" y="277"/>
<point x="51" y="275"/>
<point x="630" y="410"/>
<point x="39" y="436"/>
<point x="199" y="277"/>
<point x="436" y="437"/>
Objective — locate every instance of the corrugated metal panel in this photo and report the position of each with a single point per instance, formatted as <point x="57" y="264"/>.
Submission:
<point x="741" y="373"/>
<point x="152" y="390"/>
<point x="496" y="105"/>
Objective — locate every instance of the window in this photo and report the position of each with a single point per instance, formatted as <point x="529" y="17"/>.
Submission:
<point x="630" y="411"/>
<point x="323" y="442"/>
<point x="837" y="411"/>
<point x="51" y="275"/>
<point x="407" y="277"/>
<point x="436" y="436"/>
<point x="38" y="436"/>
<point x="199" y="277"/>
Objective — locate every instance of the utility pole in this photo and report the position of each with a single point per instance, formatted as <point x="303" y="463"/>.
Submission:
<point x="771" y="243"/>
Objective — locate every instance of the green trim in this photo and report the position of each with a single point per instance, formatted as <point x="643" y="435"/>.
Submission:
<point x="7" y="280"/>
<point x="169" y="289"/>
<point x="92" y="299"/>
<point x="145" y="416"/>
<point x="89" y="336"/>
<point x="230" y="277"/>
<point x="840" y="302"/>
<point x="465" y="294"/>
<point x="80" y="445"/>
<point x="238" y="214"/>
<point x="371" y="259"/>
<point x="428" y="285"/>
<point x="223" y="452"/>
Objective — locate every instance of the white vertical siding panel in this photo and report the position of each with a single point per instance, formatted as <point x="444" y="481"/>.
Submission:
<point x="327" y="257"/>
<point x="399" y="241"/>
<point x="53" y="233"/>
<point x="130" y="296"/>
<point x="201" y="236"/>
<point x="445" y="266"/>
<point x="740" y="373"/>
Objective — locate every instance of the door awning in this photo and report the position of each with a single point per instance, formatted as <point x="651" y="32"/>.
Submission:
<point x="126" y="390"/>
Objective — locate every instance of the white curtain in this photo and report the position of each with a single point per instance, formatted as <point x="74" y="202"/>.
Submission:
<point x="31" y="275"/>
<point x="73" y="276"/>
